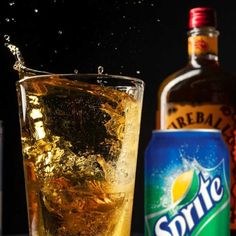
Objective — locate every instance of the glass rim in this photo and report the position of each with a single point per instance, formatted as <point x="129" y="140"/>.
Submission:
<point x="80" y="75"/>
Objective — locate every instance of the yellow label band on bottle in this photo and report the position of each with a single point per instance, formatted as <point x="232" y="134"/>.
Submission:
<point x="200" y="116"/>
<point x="201" y="44"/>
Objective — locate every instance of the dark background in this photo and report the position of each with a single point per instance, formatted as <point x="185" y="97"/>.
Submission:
<point x="141" y="38"/>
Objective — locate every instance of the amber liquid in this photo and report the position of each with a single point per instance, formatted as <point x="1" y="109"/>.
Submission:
<point x="79" y="143"/>
<point x="198" y="87"/>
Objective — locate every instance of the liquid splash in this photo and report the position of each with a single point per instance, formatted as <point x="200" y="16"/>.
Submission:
<point x="19" y="65"/>
<point x="25" y="71"/>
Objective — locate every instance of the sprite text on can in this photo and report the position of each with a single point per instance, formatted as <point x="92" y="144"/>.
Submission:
<point x="187" y="184"/>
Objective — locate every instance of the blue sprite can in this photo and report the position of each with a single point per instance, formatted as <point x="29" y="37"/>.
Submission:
<point x="187" y="184"/>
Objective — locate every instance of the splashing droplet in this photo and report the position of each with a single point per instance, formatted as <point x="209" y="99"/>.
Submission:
<point x="76" y="71"/>
<point x="16" y="52"/>
<point x="100" y="70"/>
<point x="7" y="38"/>
<point x="9" y="20"/>
<point x="20" y="63"/>
<point x="11" y="4"/>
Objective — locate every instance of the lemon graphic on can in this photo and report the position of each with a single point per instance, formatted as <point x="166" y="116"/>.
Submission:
<point x="185" y="187"/>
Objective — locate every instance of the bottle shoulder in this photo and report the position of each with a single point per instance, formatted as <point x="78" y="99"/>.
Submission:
<point x="194" y="77"/>
<point x="182" y="74"/>
<point x="198" y="84"/>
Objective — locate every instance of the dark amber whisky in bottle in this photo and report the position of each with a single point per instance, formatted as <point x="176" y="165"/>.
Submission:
<point x="202" y="94"/>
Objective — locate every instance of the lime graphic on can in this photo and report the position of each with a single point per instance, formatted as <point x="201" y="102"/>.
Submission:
<point x="187" y="184"/>
<point x="185" y="187"/>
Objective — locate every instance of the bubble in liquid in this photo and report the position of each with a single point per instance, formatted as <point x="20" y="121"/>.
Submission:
<point x="100" y="70"/>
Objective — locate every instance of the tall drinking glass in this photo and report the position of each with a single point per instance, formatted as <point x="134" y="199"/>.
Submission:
<point x="80" y="137"/>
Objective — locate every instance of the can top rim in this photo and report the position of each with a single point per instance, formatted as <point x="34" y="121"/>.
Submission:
<point x="187" y="130"/>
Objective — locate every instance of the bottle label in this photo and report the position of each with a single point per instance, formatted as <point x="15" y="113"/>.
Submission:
<point x="202" y="45"/>
<point x="208" y="116"/>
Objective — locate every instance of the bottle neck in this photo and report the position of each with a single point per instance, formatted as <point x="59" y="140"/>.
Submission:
<point x="203" y="46"/>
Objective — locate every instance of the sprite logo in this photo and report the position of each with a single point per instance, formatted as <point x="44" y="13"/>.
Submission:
<point x="196" y="199"/>
<point x="210" y="192"/>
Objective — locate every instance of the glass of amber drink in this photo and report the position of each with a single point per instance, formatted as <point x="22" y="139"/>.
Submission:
<point x="79" y="137"/>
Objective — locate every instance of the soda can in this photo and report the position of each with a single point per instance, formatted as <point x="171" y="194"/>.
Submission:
<point x="187" y="184"/>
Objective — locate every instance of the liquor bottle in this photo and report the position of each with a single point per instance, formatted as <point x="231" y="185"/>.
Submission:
<point x="202" y="94"/>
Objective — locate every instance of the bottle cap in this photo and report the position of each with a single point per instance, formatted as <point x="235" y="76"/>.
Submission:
<point x="202" y="17"/>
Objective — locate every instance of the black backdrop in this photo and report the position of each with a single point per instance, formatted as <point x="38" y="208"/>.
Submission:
<point x="141" y="38"/>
